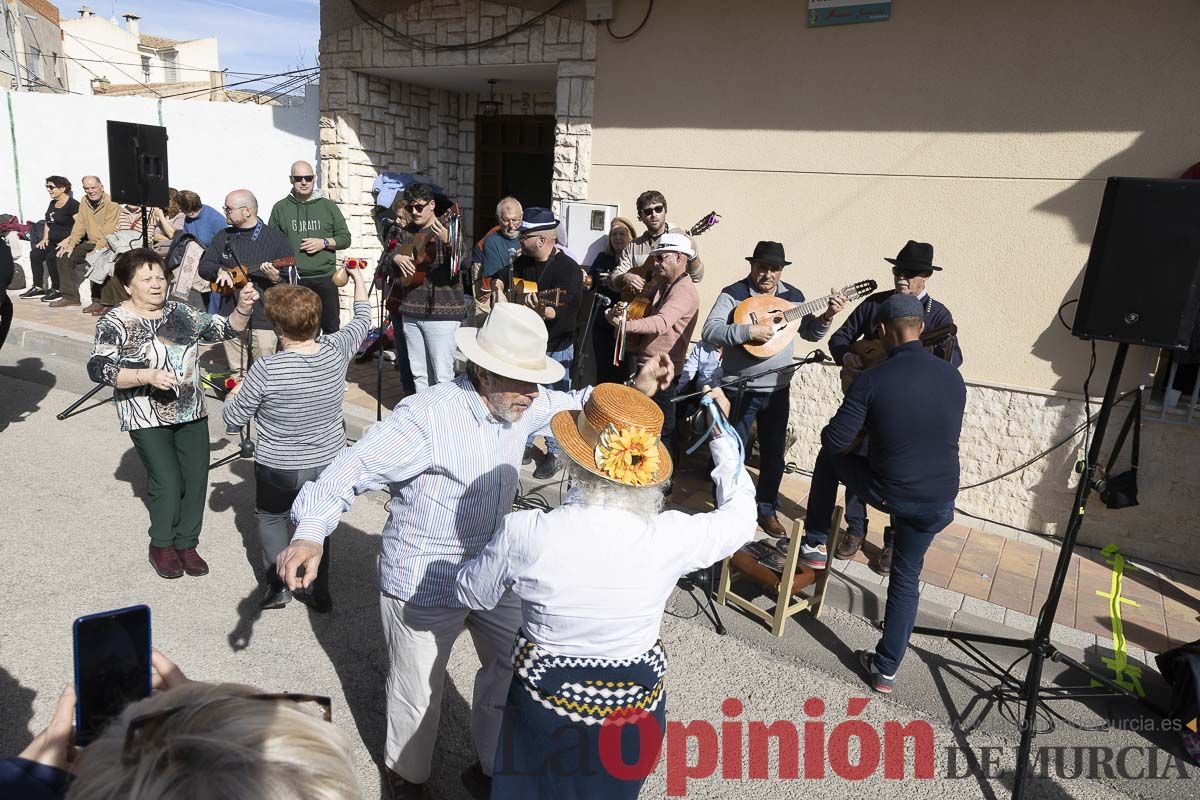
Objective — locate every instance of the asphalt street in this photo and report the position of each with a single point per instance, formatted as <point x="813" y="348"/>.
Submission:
<point x="74" y="542"/>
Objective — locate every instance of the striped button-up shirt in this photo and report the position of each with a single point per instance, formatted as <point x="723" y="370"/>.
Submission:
<point x="452" y="470"/>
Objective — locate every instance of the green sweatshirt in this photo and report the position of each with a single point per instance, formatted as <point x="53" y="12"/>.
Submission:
<point x="317" y="218"/>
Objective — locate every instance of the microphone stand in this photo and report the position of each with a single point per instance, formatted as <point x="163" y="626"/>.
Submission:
<point x="815" y="357"/>
<point x="599" y="301"/>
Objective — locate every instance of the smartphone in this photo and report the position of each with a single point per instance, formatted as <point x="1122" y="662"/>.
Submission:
<point x="112" y="667"/>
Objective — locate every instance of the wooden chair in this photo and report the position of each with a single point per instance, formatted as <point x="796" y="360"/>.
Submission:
<point x="786" y="588"/>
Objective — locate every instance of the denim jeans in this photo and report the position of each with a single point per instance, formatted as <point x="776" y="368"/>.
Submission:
<point x="401" y="349"/>
<point x="565" y="357"/>
<point x="430" y="350"/>
<point x="914" y="525"/>
<point x="771" y="410"/>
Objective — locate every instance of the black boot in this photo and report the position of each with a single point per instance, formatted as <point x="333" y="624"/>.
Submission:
<point x="316" y="596"/>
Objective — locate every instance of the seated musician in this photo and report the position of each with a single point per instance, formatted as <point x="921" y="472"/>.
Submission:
<point x="765" y="398"/>
<point x="593" y="577"/>
<point x="250" y="243"/>
<point x="911" y="269"/>
<point x="652" y="211"/>
<point x="431" y="310"/>
<point x="669" y="320"/>
<point x="550" y="268"/>
<point x="911" y="407"/>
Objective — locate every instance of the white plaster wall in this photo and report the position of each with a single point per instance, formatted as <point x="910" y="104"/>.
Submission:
<point x="212" y="147"/>
<point x="201" y="53"/>
<point x="92" y="40"/>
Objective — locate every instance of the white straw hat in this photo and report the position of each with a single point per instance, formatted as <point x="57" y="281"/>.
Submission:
<point x="512" y="343"/>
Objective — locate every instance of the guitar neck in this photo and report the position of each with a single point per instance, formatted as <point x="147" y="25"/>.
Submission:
<point x="811" y="307"/>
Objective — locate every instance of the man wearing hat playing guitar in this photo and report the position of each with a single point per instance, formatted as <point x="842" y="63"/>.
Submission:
<point x="753" y="394"/>
<point x="450" y="456"/>
<point x="911" y="269"/>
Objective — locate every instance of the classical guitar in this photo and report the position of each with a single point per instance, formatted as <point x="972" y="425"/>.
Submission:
<point x="522" y="289"/>
<point x="785" y="317"/>
<point x="428" y="252"/>
<point x="643" y="268"/>
<point x="872" y="351"/>
<point x="242" y="274"/>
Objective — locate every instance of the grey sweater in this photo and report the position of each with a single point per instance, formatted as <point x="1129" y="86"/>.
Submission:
<point x="720" y="331"/>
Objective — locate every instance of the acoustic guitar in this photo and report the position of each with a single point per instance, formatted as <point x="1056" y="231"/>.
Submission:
<point x="428" y="251"/>
<point x="241" y="275"/>
<point x="872" y="351"/>
<point x="645" y="267"/>
<point x="785" y="317"/>
<point x="522" y="289"/>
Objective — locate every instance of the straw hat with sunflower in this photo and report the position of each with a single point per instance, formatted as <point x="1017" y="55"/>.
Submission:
<point x="616" y="436"/>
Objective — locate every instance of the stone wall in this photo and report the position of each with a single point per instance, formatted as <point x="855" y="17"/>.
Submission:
<point x="371" y="124"/>
<point x="1003" y="428"/>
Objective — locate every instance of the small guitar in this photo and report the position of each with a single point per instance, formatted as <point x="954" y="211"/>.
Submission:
<point x="767" y="309"/>
<point x="643" y="268"/>
<point x="872" y="351"/>
<point x="428" y="252"/>
<point x="242" y="274"/>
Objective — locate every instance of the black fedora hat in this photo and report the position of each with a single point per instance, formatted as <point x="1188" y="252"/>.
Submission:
<point x="916" y="256"/>
<point x="769" y="253"/>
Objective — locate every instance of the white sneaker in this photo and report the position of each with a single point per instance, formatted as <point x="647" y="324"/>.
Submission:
<point x="813" y="557"/>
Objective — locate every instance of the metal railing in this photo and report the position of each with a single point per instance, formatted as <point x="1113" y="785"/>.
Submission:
<point x="1163" y="403"/>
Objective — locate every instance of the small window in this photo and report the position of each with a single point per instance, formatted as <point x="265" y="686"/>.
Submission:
<point x="34" y="63"/>
<point x="169" y="64"/>
<point x="57" y="76"/>
<point x="146" y="67"/>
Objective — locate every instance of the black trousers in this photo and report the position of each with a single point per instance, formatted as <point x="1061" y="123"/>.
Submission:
<point x="275" y="491"/>
<point x="44" y="262"/>
<point x="330" y="312"/>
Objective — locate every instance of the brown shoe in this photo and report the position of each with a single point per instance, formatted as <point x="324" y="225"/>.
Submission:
<point x="101" y="311"/>
<point x="193" y="564"/>
<point x="165" y="561"/>
<point x="884" y="565"/>
<point x="63" y="302"/>
<point x="848" y="547"/>
<point x="92" y="309"/>
<point x="771" y="526"/>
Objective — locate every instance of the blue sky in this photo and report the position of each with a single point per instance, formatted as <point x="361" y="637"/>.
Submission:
<point x="265" y="36"/>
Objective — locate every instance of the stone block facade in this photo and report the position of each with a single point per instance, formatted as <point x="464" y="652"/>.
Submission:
<point x="1004" y="428"/>
<point x="372" y="124"/>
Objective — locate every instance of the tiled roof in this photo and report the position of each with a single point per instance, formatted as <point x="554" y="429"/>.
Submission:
<point x="194" y="90"/>
<point x="157" y="42"/>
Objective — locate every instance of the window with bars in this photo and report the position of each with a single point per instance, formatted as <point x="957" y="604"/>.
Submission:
<point x="146" y="68"/>
<point x="1174" y="386"/>
<point x="170" y="66"/>
<point x="34" y="63"/>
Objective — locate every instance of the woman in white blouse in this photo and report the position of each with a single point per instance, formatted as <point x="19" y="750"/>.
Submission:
<point x="594" y="576"/>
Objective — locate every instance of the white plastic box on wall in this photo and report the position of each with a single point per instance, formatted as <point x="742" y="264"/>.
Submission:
<point x="585" y="228"/>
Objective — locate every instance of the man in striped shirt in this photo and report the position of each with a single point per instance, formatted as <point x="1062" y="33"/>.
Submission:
<point x="450" y="457"/>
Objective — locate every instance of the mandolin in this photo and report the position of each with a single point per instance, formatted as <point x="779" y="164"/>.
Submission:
<point x="768" y="309"/>
<point x="872" y="351"/>
<point x="428" y="252"/>
<point x="242" y="274"/>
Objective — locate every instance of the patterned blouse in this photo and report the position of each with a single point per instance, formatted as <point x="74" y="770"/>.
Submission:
<point x="127" y="340"/>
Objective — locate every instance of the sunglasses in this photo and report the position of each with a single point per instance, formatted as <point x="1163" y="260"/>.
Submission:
<point x="303" y="178"/>
<point x="525" y="237"/>
<point x="51" y="187"/>
<point x="417" y="208"/>
<point x="143" y="727"/>
<point x="906" y="273"/>
<point x="651" y="210"/>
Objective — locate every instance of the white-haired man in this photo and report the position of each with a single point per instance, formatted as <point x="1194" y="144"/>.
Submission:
<point x="450" y="456"/>
<point x="495" y="252"/>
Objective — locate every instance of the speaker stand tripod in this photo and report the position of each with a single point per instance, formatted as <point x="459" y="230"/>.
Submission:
<point x="1040" y="648"/>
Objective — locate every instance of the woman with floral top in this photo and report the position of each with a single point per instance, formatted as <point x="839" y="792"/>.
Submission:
<point x="146" y="349"/>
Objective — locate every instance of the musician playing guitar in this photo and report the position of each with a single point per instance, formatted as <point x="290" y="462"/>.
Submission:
<point x="251" y="244"/>
<point x="549" y="268"/>
<point x="765" y="398"/>
<point x="427" y="295"/>
<point x="630" y="273"/>
<point x="911" y="270"/>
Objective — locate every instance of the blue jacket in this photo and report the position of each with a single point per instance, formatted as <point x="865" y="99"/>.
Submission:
<point x="861" y="325"/>
<point x="29" y="780"/>
<point x="205" y="226"/>
<point x="911" y="407"/>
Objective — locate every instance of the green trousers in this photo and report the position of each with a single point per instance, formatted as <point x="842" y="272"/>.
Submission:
<point x="176" y="459"/>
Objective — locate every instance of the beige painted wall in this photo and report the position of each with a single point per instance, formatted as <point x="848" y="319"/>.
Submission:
<point x="984" y="128"/>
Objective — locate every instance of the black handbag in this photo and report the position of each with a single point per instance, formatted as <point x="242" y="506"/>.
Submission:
<point x="1121" y="491"/>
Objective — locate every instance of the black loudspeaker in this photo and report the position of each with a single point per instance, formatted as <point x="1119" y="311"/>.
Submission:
<point x="137" y="164"/>
<point x="1142" y="284"/>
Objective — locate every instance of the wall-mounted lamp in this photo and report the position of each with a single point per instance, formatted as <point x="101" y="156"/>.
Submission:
<point x="491" y="106"/>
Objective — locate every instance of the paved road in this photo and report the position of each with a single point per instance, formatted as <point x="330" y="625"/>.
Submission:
<point x="74" y="542"/>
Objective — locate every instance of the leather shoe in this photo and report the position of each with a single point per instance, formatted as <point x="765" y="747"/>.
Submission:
<point x="884" y="565"/>
<point x="530" y="452"/>
<point x="477" y="783"/>
<point x="92" y="309"/>
<point x="193" y="564"/>
<point x="400" y="789"/>
<point x="165" y="561"/>
<point x="848" y="547"/>
<point x="274" y="595"/>
<point x="771" y="526"/>
<point x="101" y="311"/>
<point x="63" y="302"/>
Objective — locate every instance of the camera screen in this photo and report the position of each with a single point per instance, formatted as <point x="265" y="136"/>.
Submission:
<point x="112" y="667"/>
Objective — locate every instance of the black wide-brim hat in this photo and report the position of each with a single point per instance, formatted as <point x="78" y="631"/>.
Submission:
<point x="916" y="256"/>
<point x="770" y="253"/>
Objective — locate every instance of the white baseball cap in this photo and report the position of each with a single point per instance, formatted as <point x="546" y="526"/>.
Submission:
<point x="674" y="243"/>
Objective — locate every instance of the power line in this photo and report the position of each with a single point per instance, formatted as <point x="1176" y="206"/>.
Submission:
<point x="311" y="71"/>
<point x="131" y="64"/>
<point x="123" y="72"/>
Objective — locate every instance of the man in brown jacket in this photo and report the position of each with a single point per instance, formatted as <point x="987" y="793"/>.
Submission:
<point x="97" y="218"/>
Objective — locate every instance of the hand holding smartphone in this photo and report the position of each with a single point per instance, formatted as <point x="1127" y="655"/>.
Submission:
<point x="112" y="667"/>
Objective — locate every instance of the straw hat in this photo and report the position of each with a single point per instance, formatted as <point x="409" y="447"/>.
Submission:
<point x="512" y="343"/>
<point x="616" y="436"/>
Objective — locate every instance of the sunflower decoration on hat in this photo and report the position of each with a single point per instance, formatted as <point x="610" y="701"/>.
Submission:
<point x="616" y="436"/>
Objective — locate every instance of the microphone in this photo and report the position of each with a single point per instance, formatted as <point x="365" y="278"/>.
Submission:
<point x="815" y="357"/>
<point x="602" y="301"/>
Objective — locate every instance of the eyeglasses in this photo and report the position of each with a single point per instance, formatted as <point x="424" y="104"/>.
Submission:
<point x="50" y="187"/>
<point x="142" y="727"/>
<point x="651" y="210"/>
<point x="417" y="208"/>
<point x="906" y="273"/>
<point x="303" y="178"/>
<point x="525" y="237"/>
<point x="229" y="210"/>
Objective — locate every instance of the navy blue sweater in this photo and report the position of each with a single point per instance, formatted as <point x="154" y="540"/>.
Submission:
<point x="911" y="407"/>
<point x="861" y="325"/>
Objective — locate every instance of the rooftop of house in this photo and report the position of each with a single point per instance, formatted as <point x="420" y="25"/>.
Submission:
<point x="158" y="42"/>
<point x="180" y="90"/>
